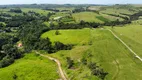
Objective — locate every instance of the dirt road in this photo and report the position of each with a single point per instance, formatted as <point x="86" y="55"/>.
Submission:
<point x="125" y="45"/>
<point x="58" y="63"/>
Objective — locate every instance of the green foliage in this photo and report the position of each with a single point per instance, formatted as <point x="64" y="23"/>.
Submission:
<point x="9" y="54"/>
<point x="57" y="32"/>
<point x="16" y="10"/>
<point x="30" y="33"/>
<point x="60" y="46"/>
<point x="43" y="44"/>
<point x="6" y="61"/>
<point x="15" y="76"/>
<point x="11" y="51"/>
<point x="69" y="62"/>
<point x="2" y="25"/>
<point x="95" y="70"/>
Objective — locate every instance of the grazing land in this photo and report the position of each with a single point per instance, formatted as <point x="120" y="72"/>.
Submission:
<point x="105" y="52"/>
<point x="30" y="67"/>
<point x="131" y="35"/>
<point x="80" y="36"/>
<point x="87" y="16"/>
<point x="77" y="36"/>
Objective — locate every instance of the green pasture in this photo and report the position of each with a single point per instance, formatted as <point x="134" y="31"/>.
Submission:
<point x="71" y="36"/>
<point x="30" y="67"/>
<point x="87" y="16"/>
<point x="131" y="35"/>
<point x="107" y="51"/>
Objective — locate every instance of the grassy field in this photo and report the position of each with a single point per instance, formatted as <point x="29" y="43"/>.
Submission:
<point x="94" y="45"/>
<point x="80" y="36"/>
<point x="111" y="18"/>
<point x="79" y="71"/>
<point x="31" y="67"/>
<point x="40" y="11"/>
<point x="131" y="35"/>
<point x="94" y="7"/>
<point x="122" y="12"/>
<point x="64" y="8"/>
<point x="108" y="52"/>
<point x="87" y="16"/>
<point x="112" y="55"/>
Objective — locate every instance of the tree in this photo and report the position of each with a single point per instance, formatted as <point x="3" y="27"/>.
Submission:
<point x="44" y="44"/>
<point x="70" y="62"/>
<point x="16" y="10"/>
<point x="12" y="51"/>
<point x="59" y="46"/>
<point x="6" y="61"/>
<point x="15" y="76"/>
<point x="57" y="32"/>
<point x="2" y="25"/>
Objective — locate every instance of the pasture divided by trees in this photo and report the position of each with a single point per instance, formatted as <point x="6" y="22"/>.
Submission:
<point x="74" y="34"/>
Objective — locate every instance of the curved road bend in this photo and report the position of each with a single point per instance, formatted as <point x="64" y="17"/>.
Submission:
<point x="58" y="63"/>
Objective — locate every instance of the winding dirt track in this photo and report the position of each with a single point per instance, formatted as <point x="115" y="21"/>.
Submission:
<point x="125" y="45"/>
<point x="58" y="63"/>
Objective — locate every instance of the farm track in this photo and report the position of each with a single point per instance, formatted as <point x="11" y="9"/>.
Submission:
<point x="118" y="70"/>
<point x="125" y="45"/>
<point x="58" y="63"/>
<point x="117" y="65"/>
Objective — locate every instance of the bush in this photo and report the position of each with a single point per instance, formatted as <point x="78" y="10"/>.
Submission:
<point x="70" y="62"/>
<point x="95" y="70"/>
<point x="57" y="32"/>
<point x="61" y="46"/>
<point x="16" y="10"/>
<point x="6" y="61"/>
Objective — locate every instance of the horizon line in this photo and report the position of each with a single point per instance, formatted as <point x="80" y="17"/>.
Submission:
<point x="71" y="4"/>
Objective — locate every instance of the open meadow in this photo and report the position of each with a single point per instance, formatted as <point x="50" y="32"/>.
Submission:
<point x="30" y="67"/>
<point x="131" y="34"/>
<point x="87" y="16"/>
<point x="80" y="36"/>
<point x="106" y="51"/>
<point x="70" y="42"/>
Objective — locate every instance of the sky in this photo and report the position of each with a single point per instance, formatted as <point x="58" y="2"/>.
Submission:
<point x="2" y="2"/>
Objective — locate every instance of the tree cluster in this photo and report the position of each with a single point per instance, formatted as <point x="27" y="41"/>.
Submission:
<point x="30" y="36"/>
<point x="50" y="9"/>
<point x="97" y="71"/>
<point x="16" y="10"/>
<point x="8" y="54"/>
<point x="81" y="25"/>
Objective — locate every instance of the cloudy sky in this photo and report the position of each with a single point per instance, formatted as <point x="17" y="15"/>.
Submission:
<point x="71" y="1"/>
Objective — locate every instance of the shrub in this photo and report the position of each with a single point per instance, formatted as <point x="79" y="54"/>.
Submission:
<point x="6" y="61"/>
<point x="70" y="62"/>
<point x="57" y="32"/>
<point x="61" y="46"/>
